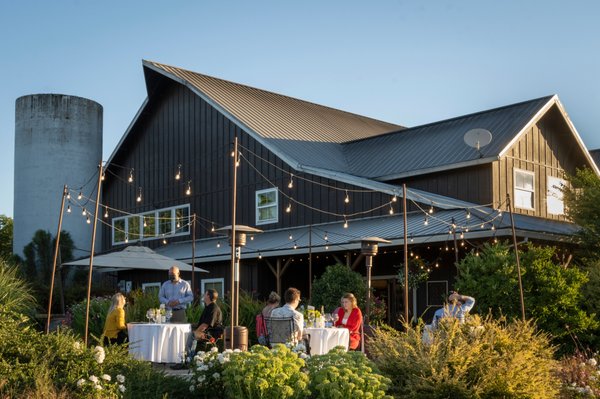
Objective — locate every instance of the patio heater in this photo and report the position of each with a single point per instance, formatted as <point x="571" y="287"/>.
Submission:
<point x="237" y="239"/>
<point x="368" y="247"/>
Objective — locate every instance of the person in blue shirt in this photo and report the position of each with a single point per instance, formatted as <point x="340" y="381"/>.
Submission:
<point x="176" y="294"/>
<point x="458" y="306"/>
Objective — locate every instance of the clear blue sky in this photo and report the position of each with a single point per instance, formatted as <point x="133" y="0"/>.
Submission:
<point x="408" y="62"/>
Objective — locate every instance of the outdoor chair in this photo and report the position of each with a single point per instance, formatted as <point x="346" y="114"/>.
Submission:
<point x="280" y="330"/>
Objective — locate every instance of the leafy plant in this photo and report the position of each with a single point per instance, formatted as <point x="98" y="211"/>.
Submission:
<point x="266" y="373"/>
<point x="98" y="312"/>
<point x="15" y="293"/>
<point x="341" y="374"/>
<point x="207" y="368"/>
<point x="478" y="359"/>
<point x="335" y="282"/>
<point x="580" y="375"/>
<point x="552" y="293"/>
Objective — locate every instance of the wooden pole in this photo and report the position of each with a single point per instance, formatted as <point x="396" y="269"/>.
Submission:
<point x="234" y="277"/>
<point x="56" y="249"/>
<point x="404" y="210"/>
<point x="515" y="243"/>
<point x="310" y="263"/>
<point x="89" y="287"/>
<point x="193" y="254"/>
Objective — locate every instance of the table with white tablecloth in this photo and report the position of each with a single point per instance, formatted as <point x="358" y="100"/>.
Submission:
<point x="160" y="343"/>
<point x="322" y="340"/>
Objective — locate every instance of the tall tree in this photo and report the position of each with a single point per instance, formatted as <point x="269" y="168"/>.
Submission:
<point x="582" y="203"/>
<point x="6" y="237"/>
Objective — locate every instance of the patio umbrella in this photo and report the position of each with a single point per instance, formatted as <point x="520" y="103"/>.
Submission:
<point x="134" y="257"/>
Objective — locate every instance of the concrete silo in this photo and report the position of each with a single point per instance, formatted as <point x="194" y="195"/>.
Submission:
<point x="58" y="141"/>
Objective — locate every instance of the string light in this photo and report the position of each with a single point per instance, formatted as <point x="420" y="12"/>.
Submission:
<point x="79" y="196"/>
<point x="437" y="264"/>
<point x="347" y="199"/>
<point x="411" y="238"/>
<point x="482" y="225"/>
<point x="212" y="229"/>
<point x="468" y="214"/>
<point x="87" y="220"/>
<point x="126" y="239"/>
<point x="431" y="209"/>
<point x="178" y="224"/>
<point x="103" y="176"/>
<point x="289" y="208"/>
<point x="178" y="174"/>
<point x="232" y="154"/>
<point x="139" y="197"/>
<point x="326" y="247"/>
<point x="146" y="224"/>
<point x="394" y="198"/>
<point x="426" y="221"/>
<point x="130" y="178"/>
<point x="259" y="255"/>
<point x="68" y="196"/>
<point x="295" y="245"/>
<point x="391" y="209"/>
<point x="106" y="212"/>
<point x="325" y="237"/>
<point x="345" y="223"/>
<point x="188" y="191"/>
<point x="69" y="208"/>
<point x="462" y="243"/>
<point x="462" y="235"/>
<point x="291" y="183"/>
<point x="493" y="228"/>
<point x="291" y="237"/>
<point x="83" y="212"/>
<point x="251" y="238"/>
<point x="164" y="240"/>
<point x="218" y="244"/>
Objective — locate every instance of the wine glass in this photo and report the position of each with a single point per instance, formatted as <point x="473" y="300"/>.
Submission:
<point x="149" y="315"/>
<point x="168" y="315"/>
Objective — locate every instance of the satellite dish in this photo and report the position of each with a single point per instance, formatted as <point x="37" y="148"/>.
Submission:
<point x="478" y="138"/>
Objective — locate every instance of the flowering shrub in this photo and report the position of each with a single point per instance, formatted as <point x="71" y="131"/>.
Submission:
<point x="341" y="374"/>
<point x="580" y="375"/>
<point x="207" y="368"/>
<point x="101" y="387"/>
<point x="266" y="373"/>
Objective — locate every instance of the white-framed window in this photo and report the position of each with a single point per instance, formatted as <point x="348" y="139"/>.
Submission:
<point x="437" y="291"/>
<point x="153" y="225"/>
<point x="554" y="196"/>
<point x="153" y="288"/>
<point x="217" y="284"/>
<point x="524" y="189"/>
<point x="267" y="208"/>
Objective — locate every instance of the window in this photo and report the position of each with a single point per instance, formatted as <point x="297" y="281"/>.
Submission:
<point x="217" y="284"/>
<point x="153" y="225"/>
<point x="554" y="196"/>
<point x="524" y="189"/>
<point x="151" y="288"/>
<point x="266" y="206"/>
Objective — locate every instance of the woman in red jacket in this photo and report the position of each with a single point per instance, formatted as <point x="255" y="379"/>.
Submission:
<point x="350" y="317"/>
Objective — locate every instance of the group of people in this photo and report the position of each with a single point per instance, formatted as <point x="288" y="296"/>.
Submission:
<point x="176" y="294"/>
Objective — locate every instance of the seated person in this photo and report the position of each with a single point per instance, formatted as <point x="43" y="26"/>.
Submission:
<point x="458" y="306"/>
<point x="292" y="300"/>
<point x="115" y="329"/>
<point x="350" y="317"/>
<point x="210" y="325"/>
<point x="261" y="327"/>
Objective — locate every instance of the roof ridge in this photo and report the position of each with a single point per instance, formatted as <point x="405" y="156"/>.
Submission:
<point x="407" y="129"/>
<point x="158" y="64"/>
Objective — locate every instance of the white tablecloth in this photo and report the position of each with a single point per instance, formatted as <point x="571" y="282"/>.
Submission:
<point x="160" y="343"/>
<point x="322" y="340"/>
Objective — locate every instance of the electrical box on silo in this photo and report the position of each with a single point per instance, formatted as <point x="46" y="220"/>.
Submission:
<point x="58" y="141"/>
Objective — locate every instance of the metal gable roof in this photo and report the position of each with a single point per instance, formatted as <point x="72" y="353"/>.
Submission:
<point x="435" y="145"/>
<point x="275" y="116"/>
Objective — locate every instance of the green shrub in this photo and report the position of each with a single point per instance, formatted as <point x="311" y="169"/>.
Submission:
<point x="265" y="373"/>
<point x="335" y="282"/>
<point x="15" y="293"/>
<point x="341" y="374"/>
<point x="138" y="303"/>
<point x="478" y="359"/>
<point x="552" y="293"/>
<point x="98" y="312"/>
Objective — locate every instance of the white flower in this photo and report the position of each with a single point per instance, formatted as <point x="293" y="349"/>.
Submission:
<point x="216" y="376"/>
<point x="192" y="388"/>
<point x="592" y="362"/>
<point x="76" y="345"/>
<point x="106" y="377"/>
<point x="236" y="350"/>
<point x="122" y="388"/>
<point x="201" y="378"/>
<point x="98" y="387"/>
<point x="94" y="379"/>
<point x="214" y="349"/>
<point x="80" y="382"/>
<point x="120" y="378"/>
<point x="99" y="354"/>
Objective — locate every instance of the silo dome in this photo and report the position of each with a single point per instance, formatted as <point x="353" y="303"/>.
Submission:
<point x="58" y="141"/>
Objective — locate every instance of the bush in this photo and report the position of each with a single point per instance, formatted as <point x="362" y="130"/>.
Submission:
<point x="15" y="293"/>
<point x="552" y="292"/>
<point x="335" y="282"/>
<point x="98" y="312"/>
<point x="341" y="374"/>
<point x="478" y="359"/>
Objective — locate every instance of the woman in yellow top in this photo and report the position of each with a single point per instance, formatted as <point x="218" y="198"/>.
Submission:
<point x="115" y="329"/>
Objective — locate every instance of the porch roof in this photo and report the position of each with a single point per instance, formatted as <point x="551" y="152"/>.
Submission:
<point x="333" y="237"/>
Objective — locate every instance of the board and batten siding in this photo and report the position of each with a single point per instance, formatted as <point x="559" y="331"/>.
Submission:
<point x="547" y="149"/>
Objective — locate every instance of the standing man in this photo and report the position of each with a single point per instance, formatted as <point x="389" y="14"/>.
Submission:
<point x="176" y="294"/>
<point x="292" y="300"/>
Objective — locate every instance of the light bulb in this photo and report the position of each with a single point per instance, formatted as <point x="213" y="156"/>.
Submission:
<point x="347" y="199"/>
<point x="493" y="228"/>
<point x="325" y="238"/>
<point x="412" y="239"/>
<point x="139" y="197"/>
<point x="394" y="198"/>
<point x="103" y="176"/>
<point x="468" y="214"/>
<point x="164" y="241"/>
<point x="106" y="212"/>
<point x="188" y="191"/>
<point x="212" y="229"/>
<point x="391" y="210"/>
<point x="326" y="247"/>
<point x="126" y="239"/>
<point x="259" y="255"/>
<point x="68" y="208"/>
<point x="482" y="225"/>
<point x="232" y="154"/>
<point x="130" y="178"/>
<point x="290" y="237"/>
<point x="437" y="264"/>
<point x="289" y="208"/>
<point x="431" y="209"/>
<point x="462" y="235"/>
<point x="178" y="174"/>
<point x="447" y="248"/>
<point x="251" y="238"/>
<point x="345" y="224"/>
<point x="68" y="196"/>
<point x="462" y="243"/>
<point x="178" y="224"/>
<point x="219" y="244"/>
<point x="146" y="224"/>
<point x="79" y="196"/>
<point x="87" y="220"/>
<point x="83" y="212"/>
<point x="426" y="221"/>
<point x="295" y="245"/>
<point x="291" y="183"/>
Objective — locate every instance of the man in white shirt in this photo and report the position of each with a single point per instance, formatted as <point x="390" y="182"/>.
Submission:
<point x="458" y="306"/>
<point x="292" y="299"/>
<point x="176" y="294"/>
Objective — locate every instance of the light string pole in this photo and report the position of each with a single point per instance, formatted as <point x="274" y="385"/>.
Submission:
<point x="233" y="251"/>
<point x="194" y="255"/>
<point x="515" y="243"/>
<point x="404" y="211"/>
<point x="89" y="287"/>
<point x="56" y="250"/>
